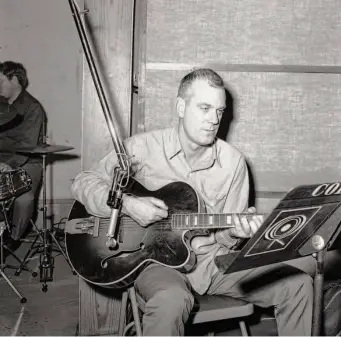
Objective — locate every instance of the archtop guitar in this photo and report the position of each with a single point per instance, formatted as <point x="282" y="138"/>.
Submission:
<point x="166" y="242"/>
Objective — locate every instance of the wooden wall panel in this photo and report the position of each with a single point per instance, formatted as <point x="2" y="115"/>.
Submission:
<point x="111" y="27"/>
<point x="303" y="32"/>
<point x="266" y="205"/>
<point x="287" y="125"/>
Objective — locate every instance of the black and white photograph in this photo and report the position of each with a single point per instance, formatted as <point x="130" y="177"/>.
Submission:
<point x="170" y="167"/>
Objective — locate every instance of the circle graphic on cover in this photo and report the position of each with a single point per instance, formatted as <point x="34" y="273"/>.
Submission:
<point x="285" y="227"/>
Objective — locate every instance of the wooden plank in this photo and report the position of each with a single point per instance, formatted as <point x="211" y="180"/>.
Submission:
<point x="99" y="310"/>
<point x="139" y="65"/>
<point x="110" y="24"/>
<point x="249" y="68"/>
<point x="271" y="194"/>
<point x="266" y="205"/>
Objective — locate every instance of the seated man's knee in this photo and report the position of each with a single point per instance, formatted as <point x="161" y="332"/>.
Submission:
<point x="171" y="303"/>
<point x="300" y="285"/>
<point x="25" y="200"/>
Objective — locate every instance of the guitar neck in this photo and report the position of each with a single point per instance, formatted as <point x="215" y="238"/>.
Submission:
<point x="207" y="221"/>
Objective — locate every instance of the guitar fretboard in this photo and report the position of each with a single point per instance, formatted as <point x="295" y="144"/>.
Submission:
<point x="205" y="220"/>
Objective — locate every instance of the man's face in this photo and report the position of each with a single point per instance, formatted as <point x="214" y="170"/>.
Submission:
<point x="7" y="86"/>
<point x="201" y="112"/>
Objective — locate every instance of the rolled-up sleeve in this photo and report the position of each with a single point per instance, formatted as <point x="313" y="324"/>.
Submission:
<point x="91" y="187"/>
<point x="236" y="201"/>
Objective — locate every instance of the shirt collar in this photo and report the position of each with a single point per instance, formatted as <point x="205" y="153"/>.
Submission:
<point x="173" y="148"/>
<point x="173" y="145"/>
<point x="19" y="99"/>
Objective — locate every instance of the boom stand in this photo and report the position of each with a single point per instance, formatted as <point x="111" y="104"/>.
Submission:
<point x="3" y="265"/>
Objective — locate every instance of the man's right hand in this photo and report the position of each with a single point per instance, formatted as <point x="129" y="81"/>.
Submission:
<point x="144" y="210"/>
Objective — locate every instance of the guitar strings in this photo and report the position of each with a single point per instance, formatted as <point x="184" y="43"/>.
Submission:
<point x="163" y="224"/>
<point x="166" y="224"/>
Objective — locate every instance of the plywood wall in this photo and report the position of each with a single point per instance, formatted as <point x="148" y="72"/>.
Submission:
<point x="110" y="26"/>
<point x="240" y="32"/>
<point x="281" y="60"/>
<point x="41" y="35"/>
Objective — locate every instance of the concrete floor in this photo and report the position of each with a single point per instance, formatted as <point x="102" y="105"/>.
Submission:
<point x="51" y="313"/>
<point x="55" y="312"/>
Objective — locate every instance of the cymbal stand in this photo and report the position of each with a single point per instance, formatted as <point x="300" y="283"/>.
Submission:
<point x="46" y="260"/>
<point x="3" y="226"/>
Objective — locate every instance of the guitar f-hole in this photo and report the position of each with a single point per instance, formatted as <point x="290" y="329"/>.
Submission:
<point x="104" y="262"/>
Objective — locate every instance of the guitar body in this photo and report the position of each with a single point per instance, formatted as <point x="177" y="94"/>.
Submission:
<point x="137" y="246"/>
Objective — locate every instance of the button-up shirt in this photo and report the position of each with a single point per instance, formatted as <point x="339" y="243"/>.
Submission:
<point x="219" y="176"/>
<point x="20" y="126"/>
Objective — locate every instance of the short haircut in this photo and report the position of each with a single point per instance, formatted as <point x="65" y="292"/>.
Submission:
<point x="10" y="69"/>
<point x="212" y="78"/>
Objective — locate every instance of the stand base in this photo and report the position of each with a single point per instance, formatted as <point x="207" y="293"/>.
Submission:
<point x="26" y="268"/>
<point x="44" y="248"/>
<point x="46" y="268"/>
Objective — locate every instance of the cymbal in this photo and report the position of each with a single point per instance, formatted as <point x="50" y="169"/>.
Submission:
<point x="40" y="149"/>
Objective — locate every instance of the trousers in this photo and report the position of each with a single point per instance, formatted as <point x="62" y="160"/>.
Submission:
<point x="24" y="205"/>
<point x="169" y="297"/>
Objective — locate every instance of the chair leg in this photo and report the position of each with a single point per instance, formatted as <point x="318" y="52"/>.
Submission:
<point x="134" y="306"/>
<point x="123" y="313"/>
<point x="243" y="328"/>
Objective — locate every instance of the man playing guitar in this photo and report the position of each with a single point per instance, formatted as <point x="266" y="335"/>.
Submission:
<point x="191" y="153"/>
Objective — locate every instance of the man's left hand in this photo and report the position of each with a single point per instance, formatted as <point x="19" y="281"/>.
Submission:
<point x="246" y="226"/>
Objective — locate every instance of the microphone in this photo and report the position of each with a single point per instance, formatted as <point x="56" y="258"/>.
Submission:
<point x="114" y="201"/>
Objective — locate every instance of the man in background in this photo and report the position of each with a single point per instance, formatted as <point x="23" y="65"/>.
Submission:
<point x="21" y="125"/>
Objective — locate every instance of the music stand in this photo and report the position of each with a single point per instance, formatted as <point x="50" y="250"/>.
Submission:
<point x="305" y="222"/>
<point x="5" y="206"/>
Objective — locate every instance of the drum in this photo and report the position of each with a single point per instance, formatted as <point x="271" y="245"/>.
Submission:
<point x="14" y="183"/>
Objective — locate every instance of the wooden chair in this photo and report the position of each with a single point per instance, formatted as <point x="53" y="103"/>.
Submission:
<point x="206" y="309"/>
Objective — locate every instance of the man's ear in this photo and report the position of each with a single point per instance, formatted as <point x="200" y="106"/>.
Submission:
<point x="180" y="106"/>
<point x="14" y="79"/>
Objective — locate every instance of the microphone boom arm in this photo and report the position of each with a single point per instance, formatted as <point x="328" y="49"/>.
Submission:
<point x="121" y="173"/>
<point x="118" y="145"/>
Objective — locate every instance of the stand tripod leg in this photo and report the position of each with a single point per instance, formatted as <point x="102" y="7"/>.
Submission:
<point x="25" y="259"/>
<point x="2" y="263"/>
<point x="22" y="299"/>
<point x="62" y="251"/>
<point x="22" y="265"/>
<point x="37" y="230"/>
